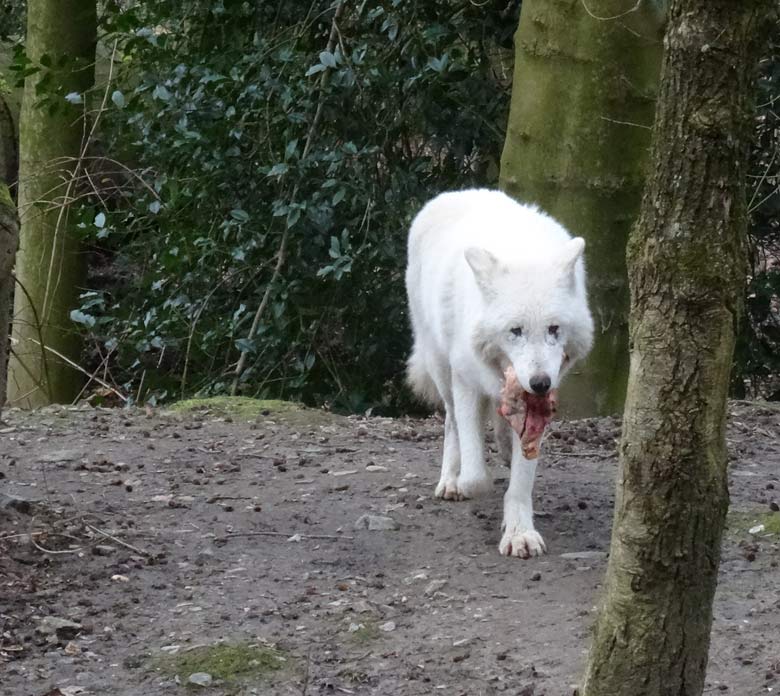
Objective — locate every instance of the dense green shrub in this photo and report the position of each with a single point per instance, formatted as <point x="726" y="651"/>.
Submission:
<point x="757" y="368"/>
<point x="213" y="105"/>
<point x="200" y="172"/>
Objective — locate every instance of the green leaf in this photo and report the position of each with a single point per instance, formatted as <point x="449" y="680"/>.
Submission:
<point x="74" y="98"/>
<point x="161" y="92"/>
<point x="279" y="169"/>
<point x="280" y="208"/>
<point x="240" y="215"/>
<point x="293" y="216"/>
<point x="290" y="149"/>
<point x="328" y="59"/>
<point x="118" y="98"/>
<point x="100" y="220"/>
<point x="314" y="69"/>
<point x="80" y="318"/>
<point x="438" y="64"/>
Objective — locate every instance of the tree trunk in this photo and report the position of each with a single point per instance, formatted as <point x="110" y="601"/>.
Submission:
<point x="583" y="100"/>
<point x="9" y="164"/>
<point x="49" y="263"/>
<point x="9" y="238"/>
<point x="686" y="261"/>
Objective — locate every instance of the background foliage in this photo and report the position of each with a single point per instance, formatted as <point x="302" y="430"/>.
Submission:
<point x="212" y="107"/>
<point x="758" y="350"/>
<point x="197" y="171"/>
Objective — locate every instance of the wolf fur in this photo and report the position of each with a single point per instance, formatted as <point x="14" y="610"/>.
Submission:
<point x="491" y="284"/>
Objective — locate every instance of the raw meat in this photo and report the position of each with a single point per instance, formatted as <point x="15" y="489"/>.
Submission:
<point x="528" y="414"/>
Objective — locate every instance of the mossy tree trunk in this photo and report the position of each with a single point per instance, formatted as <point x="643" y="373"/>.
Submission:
<point x="583" y="99"/>
<point x="50" y="266"/>
<point x="9" y="238"/>
<point x="686" y="261"/>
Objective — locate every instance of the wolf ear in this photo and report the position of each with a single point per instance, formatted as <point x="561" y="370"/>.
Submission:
<point x="484" y="266"/>
<point x="572" y="251"/>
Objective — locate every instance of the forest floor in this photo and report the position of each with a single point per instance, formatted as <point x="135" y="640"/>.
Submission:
<point x="227" y="549"/>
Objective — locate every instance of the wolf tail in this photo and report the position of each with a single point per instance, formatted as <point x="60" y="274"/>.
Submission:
<point x="420" y="380"/>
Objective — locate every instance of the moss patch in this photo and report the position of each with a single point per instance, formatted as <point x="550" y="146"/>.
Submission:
<point x="740" y="521"/>
<point x="241" y="406"/>
<point x="225" y="661"/>
<point x="245" y="408"/>
<point x="368" y="631"/>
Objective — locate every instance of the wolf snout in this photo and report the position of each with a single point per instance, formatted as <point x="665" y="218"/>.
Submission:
<point x="540" y="384"/>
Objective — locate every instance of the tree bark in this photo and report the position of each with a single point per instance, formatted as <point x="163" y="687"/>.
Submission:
<point x="9" y="163"/>
<point x="686" y="261"/>
<point x="49" y="265"/>
<point x="9" y="239"/>
<point x="583" y="99"/>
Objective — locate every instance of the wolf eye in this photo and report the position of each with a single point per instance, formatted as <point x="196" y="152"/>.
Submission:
<point x="517" y="331"/>
<point x="553" y="330"/>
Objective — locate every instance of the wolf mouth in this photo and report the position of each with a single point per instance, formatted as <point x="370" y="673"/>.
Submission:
<point x="528" y="414"/>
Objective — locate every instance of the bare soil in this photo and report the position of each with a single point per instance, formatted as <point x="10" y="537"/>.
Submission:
<point x="165" y="536"/>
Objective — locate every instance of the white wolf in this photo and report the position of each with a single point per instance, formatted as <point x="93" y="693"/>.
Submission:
<point x="492" y="284"/>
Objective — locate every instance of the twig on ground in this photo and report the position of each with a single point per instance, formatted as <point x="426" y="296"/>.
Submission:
<point x="118" y="541"/>
<point x="586" y="454"/>
<point x="288" y="535"/>
<point x="305" y="685"/>
<point x="43" y="549"/>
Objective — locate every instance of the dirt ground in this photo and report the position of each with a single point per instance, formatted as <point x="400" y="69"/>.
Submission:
<point x="155" y="541"/>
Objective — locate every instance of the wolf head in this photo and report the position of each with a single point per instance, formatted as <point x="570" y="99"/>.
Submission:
<point x="534" y="313"/>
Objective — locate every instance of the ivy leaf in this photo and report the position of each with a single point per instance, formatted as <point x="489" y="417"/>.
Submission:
<point x="161" y="92"/>
<point x="293" y="216"/>
<point x="246" y="345"/>
<point x="438" y="64"/>
<point x="80" y="318"/>
<point x="314" y="69"/>
<point x="328" y="59"/>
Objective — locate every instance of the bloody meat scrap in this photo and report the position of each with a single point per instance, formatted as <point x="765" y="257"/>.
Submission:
<point x="528" y="414"/>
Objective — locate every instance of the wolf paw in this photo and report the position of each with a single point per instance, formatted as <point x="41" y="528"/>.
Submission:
<point x="473" y="486"/>
<point x="464" y="488"/>
<point x="448" y="490"/>
<point x="522" y="543"/>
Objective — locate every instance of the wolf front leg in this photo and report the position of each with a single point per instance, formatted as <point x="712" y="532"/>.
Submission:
<point x="470" y="405"/>
<point x="519" y="536"/>
<point x="502" y="433"/>
<point x="447" y="487"/>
